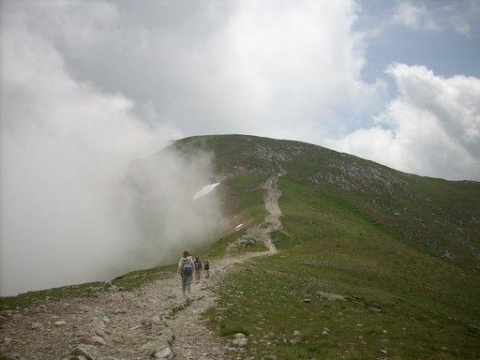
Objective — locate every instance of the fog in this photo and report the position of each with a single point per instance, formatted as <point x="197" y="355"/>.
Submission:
<point x="79" y="201"/>
<point x="72" y="214"/>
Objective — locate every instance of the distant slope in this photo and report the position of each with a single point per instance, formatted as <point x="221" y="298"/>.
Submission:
<point x="436" y="216"/>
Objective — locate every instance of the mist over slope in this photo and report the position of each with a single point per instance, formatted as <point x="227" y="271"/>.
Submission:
<point x="166" y="208"/>
<point x="73" y="214"/>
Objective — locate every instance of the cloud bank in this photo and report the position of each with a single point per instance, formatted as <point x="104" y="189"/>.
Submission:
<point x="431" y="128"/>
<point x="67" y="195"/>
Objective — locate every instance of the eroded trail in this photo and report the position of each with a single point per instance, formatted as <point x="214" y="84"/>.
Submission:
<point x="152" y="322"/>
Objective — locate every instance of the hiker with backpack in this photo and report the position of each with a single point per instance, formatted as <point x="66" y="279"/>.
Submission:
<point x="206" y="268"/>
<point x="185" y="268"/>
<point x="198" y="269"/>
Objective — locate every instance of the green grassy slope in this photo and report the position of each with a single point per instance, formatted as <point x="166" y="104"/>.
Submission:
<point x="361" y="272"/>
<point x="436" y="216"/>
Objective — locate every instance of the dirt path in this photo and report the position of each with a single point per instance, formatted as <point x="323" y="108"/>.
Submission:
<point x="152" y="322"/>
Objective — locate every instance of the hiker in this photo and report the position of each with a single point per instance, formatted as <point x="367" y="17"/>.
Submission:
<point x="198" y="269"/>
<point x="185" y="268"/>
<point x="206" y="268"/>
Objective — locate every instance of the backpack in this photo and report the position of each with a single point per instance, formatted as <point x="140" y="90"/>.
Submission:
<point x="187" y="268"/>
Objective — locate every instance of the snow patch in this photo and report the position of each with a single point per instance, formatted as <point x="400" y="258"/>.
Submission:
<point x="204" y="191"/>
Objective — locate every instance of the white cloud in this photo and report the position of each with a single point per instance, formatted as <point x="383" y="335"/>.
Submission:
<point x="429" y="17"/>
<point x="281" y="69"/>
<point x="432" y="128"/>
<point x="415" y="16"/>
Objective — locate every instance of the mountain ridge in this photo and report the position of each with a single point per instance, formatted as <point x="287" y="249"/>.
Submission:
<point x="438" y="216"/>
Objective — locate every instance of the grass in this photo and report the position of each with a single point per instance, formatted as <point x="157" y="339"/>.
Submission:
<point x="410" y="316"/>
<point x="398" y="302"/>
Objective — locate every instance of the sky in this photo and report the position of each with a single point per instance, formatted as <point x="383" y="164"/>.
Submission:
<point x="396" y="82"/>
<point x="88" y="87"/>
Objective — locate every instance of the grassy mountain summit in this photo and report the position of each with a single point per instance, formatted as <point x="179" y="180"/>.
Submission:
<point x="436" y="216"/>
<point x="373" y="262"/>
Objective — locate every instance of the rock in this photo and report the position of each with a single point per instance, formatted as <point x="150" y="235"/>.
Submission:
<point x="87" y="351"/>
<point x="164" y="354"/>
<point x="297" y="337"/>
<point x="330" y="296"/>
<point x="99" y="340"/>
<point x="307" y="301"/>
<point x="98" y="324"/>
<point x="41" y="308"/>
<point x="147" y="323"/>
<point x="37" y="326"/>
<point x="160" y="343"/>
<point x="99" y="328"/>
<point x="60" y="323"/>
<point x="84" y="308"/>
<point x="240" y="340"/>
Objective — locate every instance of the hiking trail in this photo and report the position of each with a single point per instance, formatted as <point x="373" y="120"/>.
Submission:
<point x="152" y="322"/>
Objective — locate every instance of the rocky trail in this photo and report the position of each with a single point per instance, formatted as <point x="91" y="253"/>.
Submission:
<point x="152" y="322"/>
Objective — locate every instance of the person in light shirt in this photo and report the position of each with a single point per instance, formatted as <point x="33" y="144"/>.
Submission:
<point x="185" y="269"/>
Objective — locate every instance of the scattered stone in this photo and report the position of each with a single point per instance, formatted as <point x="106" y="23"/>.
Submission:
<point x="84" y="308"/>
<point x="98" y="324"/>
<point x="307" y="301"/>
<point x="99" y="340"/>
<point x="147" y="323"/>
<point x="165" y="354"/>
<point x="37" y="326"/>
<point x="60" y="323"/>
<point x="41" y="308"/>
<point x="330" y="296"/>
<point x="87" y="351"/>
<point x="240" y="340"/>
<point x="160" y="343"/>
